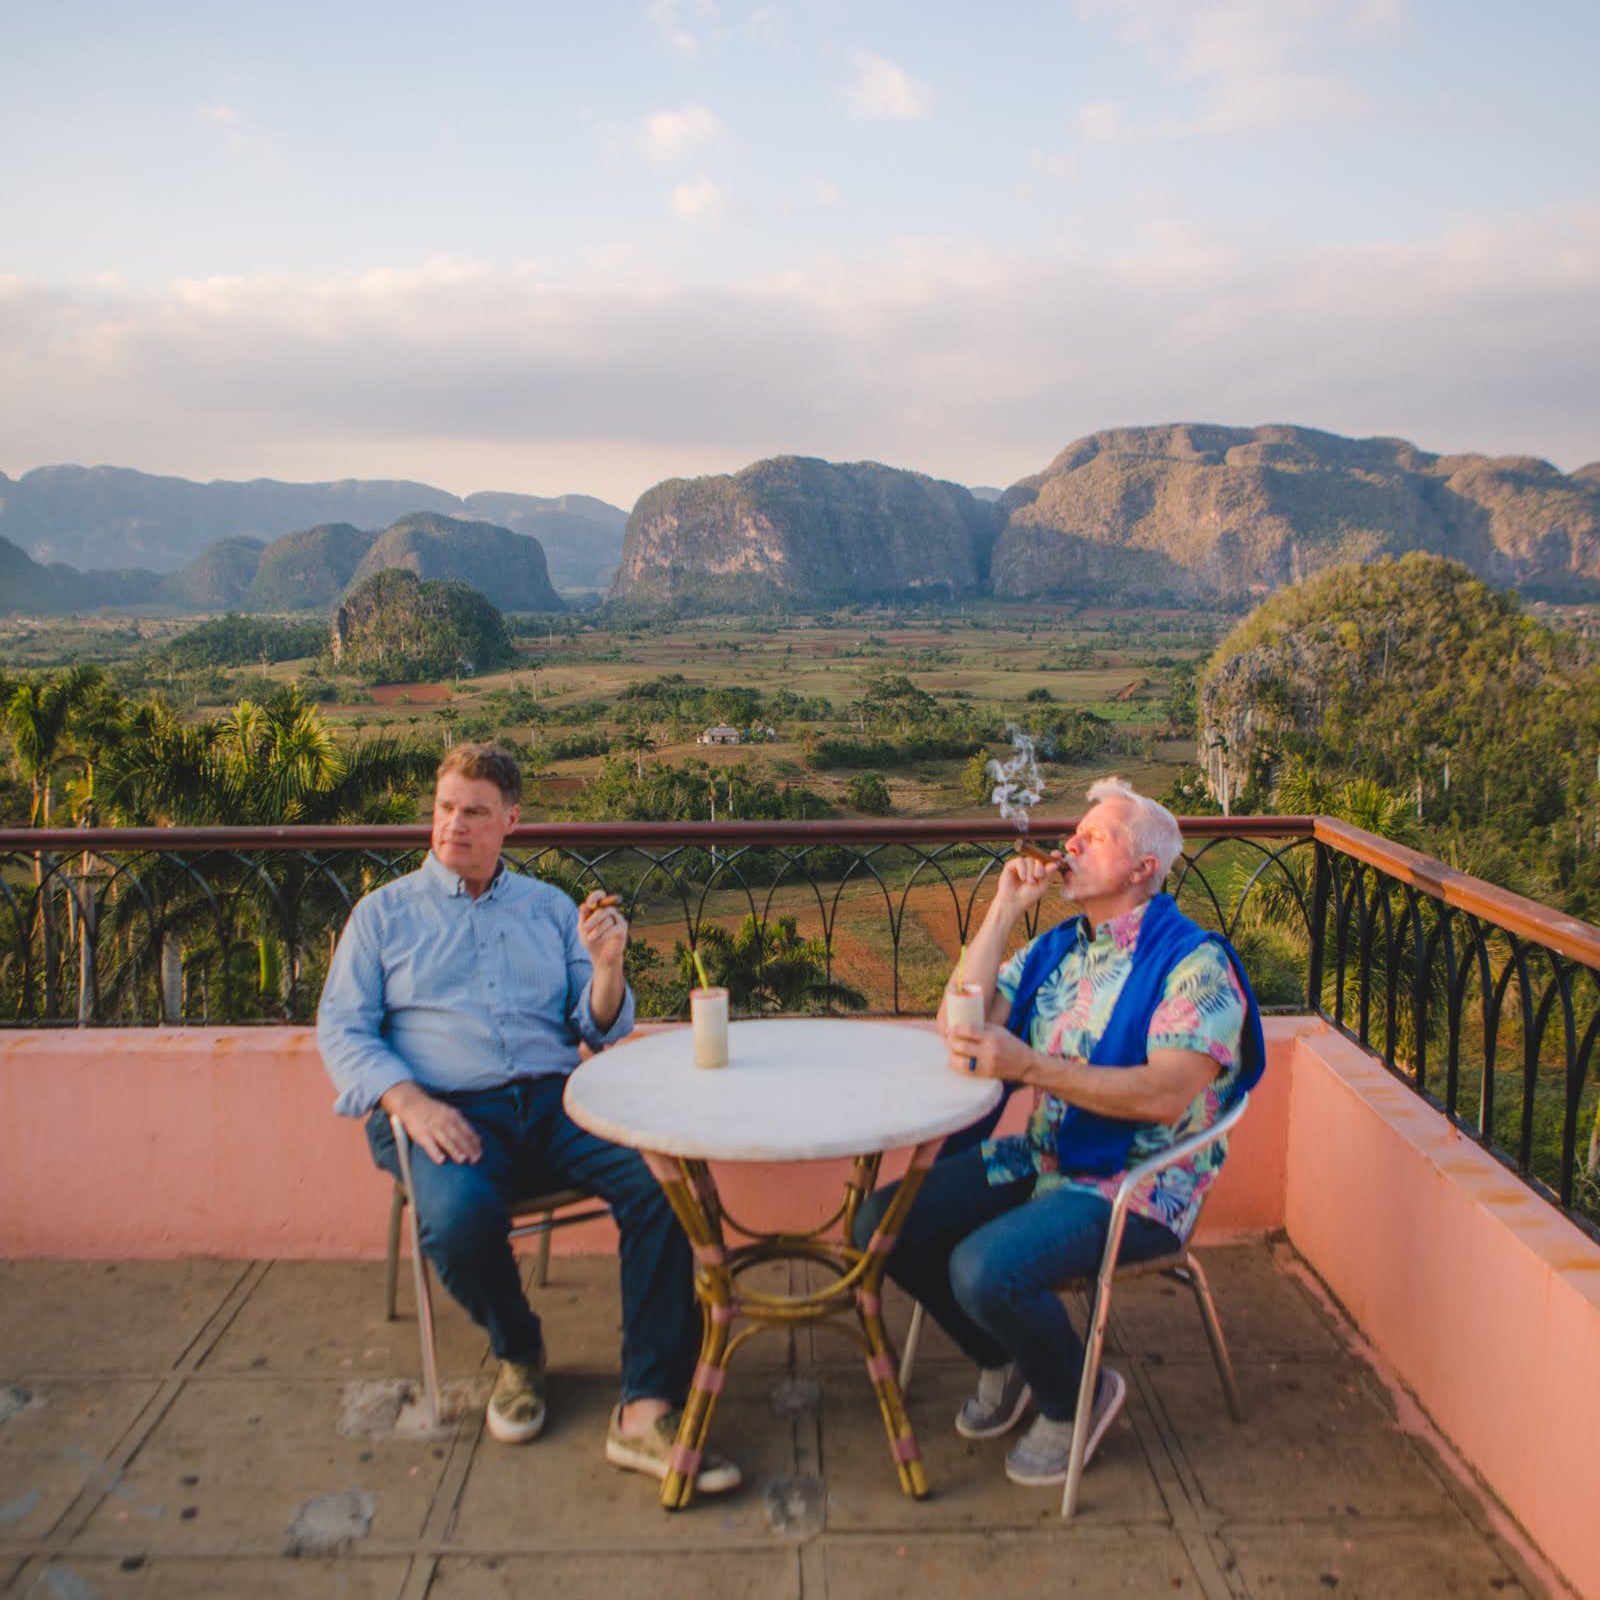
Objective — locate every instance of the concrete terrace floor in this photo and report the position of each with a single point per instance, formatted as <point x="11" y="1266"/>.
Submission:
<point x="245" y="1430"/>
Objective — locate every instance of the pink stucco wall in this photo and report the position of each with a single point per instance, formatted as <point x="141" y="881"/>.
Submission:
<point x="222" y="1142"/>
<point x="1483" y="1299"/>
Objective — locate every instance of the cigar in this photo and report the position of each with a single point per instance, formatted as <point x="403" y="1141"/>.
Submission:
<point x="1034" y="853"/>
<point x="607" y="900"/>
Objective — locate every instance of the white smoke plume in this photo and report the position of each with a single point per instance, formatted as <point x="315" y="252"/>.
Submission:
<point x="1017" y="784"/>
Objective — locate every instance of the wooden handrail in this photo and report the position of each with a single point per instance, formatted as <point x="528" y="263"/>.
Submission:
<point x="414" y="835"/>
<point x="1517" y="914"/>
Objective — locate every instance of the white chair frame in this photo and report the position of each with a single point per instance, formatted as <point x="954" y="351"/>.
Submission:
<point x="535" y="1215"/>
<point x="1180" y="1264"/>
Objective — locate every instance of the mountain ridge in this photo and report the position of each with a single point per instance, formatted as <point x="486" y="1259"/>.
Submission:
<point x="95" y="518"/>
<point x="800" y="528"/>
<point x="1195" y="512"/>
<point x="1186" y="513"/>
<point x="309" y="570"/>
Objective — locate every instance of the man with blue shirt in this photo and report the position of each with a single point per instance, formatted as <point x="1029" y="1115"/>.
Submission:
<point x="1134" y="1028"/>
<point x="456" y="1002"/>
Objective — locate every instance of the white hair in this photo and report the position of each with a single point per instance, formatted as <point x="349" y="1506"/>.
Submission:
<point x="1150" y="829"/>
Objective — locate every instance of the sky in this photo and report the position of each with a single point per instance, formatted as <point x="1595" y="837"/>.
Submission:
<point x="581" y="247"/>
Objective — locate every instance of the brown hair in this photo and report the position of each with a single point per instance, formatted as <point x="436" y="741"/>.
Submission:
<point x="485" y="761"/>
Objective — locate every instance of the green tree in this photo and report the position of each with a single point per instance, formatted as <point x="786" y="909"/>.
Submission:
<point x="767" y="966"/>
<point x="236" y="641"/>
<point x="270" y="762"/>
<point x="869" y="794"/>
<point x="1182" y="701"/>
<point x="37" y="718"/>
<point x="976" y="784"/>
<point x="637" y="738"/>
<point x="273" y="762"/>
<point x="892" y="702"/>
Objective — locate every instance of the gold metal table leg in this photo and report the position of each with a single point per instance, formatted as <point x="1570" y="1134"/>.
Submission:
<point x="882" y="1366"/>
<point x="692" y="1195"/>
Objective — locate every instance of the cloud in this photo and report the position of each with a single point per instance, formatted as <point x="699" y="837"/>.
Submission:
<point x="1377" y="19"/>
<point x="696" y="201"/>
<point x="953" y="359"/>
<point x="826" y="194"/>
<point x="671" y="135"/>
<point x="884" y="92"/>
<point x="238" y="137"/>
<point x="684" y="23"/>
<point x="1103" y="122"/>
<point x="1252" y="66"/>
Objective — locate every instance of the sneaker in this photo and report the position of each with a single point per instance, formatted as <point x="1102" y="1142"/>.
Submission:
<point x="997" y="1406"/>
<point x="650" y="1451"/>
<point x="516" y="1408"/>
<point x="1040" y="1455"/>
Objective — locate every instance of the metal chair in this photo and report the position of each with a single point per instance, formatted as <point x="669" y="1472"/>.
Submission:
<point x="530" y="1215"/>
<point x="1180" y="1264"/>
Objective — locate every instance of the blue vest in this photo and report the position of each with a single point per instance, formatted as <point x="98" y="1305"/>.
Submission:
<point x="1088" y="1142"/>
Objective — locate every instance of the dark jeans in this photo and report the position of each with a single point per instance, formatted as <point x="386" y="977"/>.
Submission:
<point x="985" y="1261"/>
<point x="529" y="1144"/>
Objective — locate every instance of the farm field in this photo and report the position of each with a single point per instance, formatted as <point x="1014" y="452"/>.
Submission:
<point x="571" y="701"/>
<point x="1122" y="666"/>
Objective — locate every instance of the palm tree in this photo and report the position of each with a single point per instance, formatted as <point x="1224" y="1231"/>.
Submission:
<point x="98" y="725"/>
<point x="267" y="763"/>
<point x="768" y="967"/>
<point x="37" y="715"/>
<point x="270" y="763"/>
<point x="637" y="739"/>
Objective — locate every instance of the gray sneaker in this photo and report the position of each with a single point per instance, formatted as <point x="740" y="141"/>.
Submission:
<point x="516" y="1408"/>
<point x="996" y="1407"/>
<point x="1040" y="1456"/>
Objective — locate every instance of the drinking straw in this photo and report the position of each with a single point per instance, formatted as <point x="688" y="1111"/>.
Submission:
<point x="700" y="967"/>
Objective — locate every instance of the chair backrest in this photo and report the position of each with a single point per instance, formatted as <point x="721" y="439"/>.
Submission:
<point x="1180" y="1151"/>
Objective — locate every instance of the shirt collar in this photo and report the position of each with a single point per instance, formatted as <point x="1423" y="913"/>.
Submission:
<point x="450" y="883"/>
<point x="1121" y="930"/>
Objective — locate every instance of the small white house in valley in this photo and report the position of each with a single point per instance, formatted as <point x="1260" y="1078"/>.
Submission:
<point x="720" y="733"/>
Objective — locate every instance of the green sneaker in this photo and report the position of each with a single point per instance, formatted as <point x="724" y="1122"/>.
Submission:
<point x="516" y="1408"/>
<point x="649" y="1452"/>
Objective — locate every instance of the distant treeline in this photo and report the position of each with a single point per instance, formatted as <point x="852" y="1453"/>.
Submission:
<point x="672" y="695"/>
<point x="238" y="641"/>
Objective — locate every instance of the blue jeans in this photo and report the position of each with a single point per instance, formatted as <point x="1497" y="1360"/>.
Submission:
<point x="530" y="1143"/>
<point x="985" y="1260"/>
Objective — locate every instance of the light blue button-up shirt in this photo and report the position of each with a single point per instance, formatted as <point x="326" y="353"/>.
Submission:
<point x="451" y="992"/>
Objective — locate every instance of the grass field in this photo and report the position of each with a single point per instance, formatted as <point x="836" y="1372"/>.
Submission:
<point x="1118" y="665"/>
<point x="987" y="658"/>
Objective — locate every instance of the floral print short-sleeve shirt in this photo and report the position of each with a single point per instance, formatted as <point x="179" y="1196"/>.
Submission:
<point x="1202" y="1008"/>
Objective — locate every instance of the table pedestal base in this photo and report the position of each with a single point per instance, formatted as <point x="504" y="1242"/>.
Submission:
<point x="852" y="1302"/>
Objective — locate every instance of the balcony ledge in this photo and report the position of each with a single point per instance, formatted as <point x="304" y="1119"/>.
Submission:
<point x="1483" y="1302"/>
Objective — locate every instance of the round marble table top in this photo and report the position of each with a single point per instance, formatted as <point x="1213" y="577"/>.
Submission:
<point x="794" y="1089"/>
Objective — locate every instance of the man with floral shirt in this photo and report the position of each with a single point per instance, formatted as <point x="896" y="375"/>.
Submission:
<point x="1135" y="1028"/>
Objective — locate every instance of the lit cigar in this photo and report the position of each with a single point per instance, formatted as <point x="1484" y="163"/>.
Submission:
<point x="607" y="900"/>
<point x="1034" y="853"/>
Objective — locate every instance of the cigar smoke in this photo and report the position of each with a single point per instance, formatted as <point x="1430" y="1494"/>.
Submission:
<point x="1017" y="784"/>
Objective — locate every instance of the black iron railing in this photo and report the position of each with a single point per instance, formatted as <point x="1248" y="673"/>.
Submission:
<point x="1487" y="1004"/>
